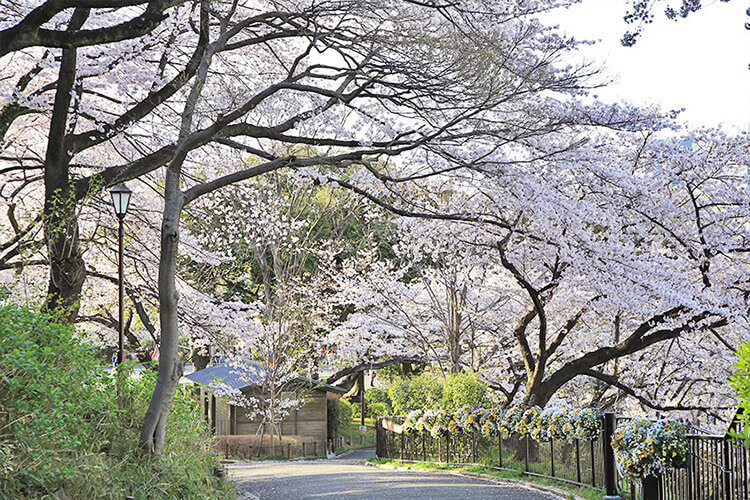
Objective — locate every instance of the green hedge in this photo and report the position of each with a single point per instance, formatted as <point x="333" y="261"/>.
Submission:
<point x="741" y="383"/>
<point x="339" y="413"/>
<point x="62" y="426"/>
<point x="429" y="390"/>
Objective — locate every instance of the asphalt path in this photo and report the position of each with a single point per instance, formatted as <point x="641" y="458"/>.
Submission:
<point x="346" y="478"/>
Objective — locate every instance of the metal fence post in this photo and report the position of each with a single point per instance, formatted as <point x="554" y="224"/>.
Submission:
<point x="526" y="457"/>
<point x="500" y="450"/>
<point x="650" y="488"/>
<point x="474" y="446"/>
<point x="379" y="438"/>
<point x="610" y="472"/>
<point x="552" y="455"/>
<point x="727" y="471"/>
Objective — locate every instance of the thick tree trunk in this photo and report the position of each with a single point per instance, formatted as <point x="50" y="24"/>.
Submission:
<point x="170" y="365"/>
<point x="537" y="396"/>
<point x="539" y="392"/>
<point x="67" y="269"/>
<point x="199" y="360"/>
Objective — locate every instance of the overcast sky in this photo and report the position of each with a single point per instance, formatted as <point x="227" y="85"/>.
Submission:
<point x="699" y="63"/>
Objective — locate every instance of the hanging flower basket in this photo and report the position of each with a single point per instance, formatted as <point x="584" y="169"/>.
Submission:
<point x="647" y="448"/>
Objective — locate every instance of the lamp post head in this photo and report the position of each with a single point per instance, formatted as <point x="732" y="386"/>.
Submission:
<point x="120" y="199"/>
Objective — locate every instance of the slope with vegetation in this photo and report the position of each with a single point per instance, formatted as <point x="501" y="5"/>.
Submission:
<point x="67" y="426"/>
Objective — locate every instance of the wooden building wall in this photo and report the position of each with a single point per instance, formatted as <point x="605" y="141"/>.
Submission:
<point x="308" y="420"/>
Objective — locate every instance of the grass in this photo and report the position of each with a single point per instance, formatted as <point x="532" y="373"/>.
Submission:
<point x="511" y="475"/>
<point x="369" y="421"/>
<point x="354" y="438"/>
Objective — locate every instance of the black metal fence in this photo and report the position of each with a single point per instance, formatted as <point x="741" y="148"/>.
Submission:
<point x="578" y="462"/>
<point x="718" y="468"/>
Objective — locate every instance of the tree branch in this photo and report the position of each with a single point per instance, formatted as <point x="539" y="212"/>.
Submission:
<point x="614" y="382"/>
<point x="28" y="33"/>
<point x="370" y="366"/>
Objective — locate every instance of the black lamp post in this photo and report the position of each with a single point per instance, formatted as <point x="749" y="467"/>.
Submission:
<point x="120" y="200"/>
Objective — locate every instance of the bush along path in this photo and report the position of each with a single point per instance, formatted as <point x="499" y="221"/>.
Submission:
<point x="64" y="430"/>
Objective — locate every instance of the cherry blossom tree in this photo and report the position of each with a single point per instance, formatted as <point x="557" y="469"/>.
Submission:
<point x="628" y="257"/>
<point x="90" y="98"/>
<point x="349" y="68"/>
<point x="460" y="112"/>
<point x="78" y="76"/>
<point x="641" y="13"/>
<point x="435" y="301"/>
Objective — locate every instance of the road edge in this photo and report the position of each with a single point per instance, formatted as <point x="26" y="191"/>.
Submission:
<point x="564" y="494"/>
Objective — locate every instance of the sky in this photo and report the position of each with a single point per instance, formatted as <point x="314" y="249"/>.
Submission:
<point x="699" y="63"/>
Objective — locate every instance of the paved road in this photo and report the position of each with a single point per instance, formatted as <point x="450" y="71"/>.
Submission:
<point x="345" y="478"/>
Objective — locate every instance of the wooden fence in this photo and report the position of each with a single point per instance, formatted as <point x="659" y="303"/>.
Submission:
<point x="239" y="446"/>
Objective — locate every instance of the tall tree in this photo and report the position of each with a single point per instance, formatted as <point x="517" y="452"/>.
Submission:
<point x="626" y="248"/>
<point x="368" y="83"/>
<point x="110" y="107"/>
<point x="87" y="113"/>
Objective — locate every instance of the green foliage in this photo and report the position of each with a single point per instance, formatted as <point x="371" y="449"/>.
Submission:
<point x="463" y="389"/>
<point x="62" y="425"/>
<point x="353" y="434"/>
<point x="429" y="390"/>
<point x="741" y="383"/>
<point x="339" y="414"/>
<point x="377" y="402"/>
<point x="390" y="373"/>
<point x="423" y="391"/>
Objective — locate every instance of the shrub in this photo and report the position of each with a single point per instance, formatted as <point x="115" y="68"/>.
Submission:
<point x="62" y="426"/>
<point x="377" y="402"/>
<point x="461" y="389"/>
<point x="423" y="391"/>
<point x="339" y="414"/>
<point x="429" y="390"/>
<point x="741" y="383"/>
<point x="347" y="410"/>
